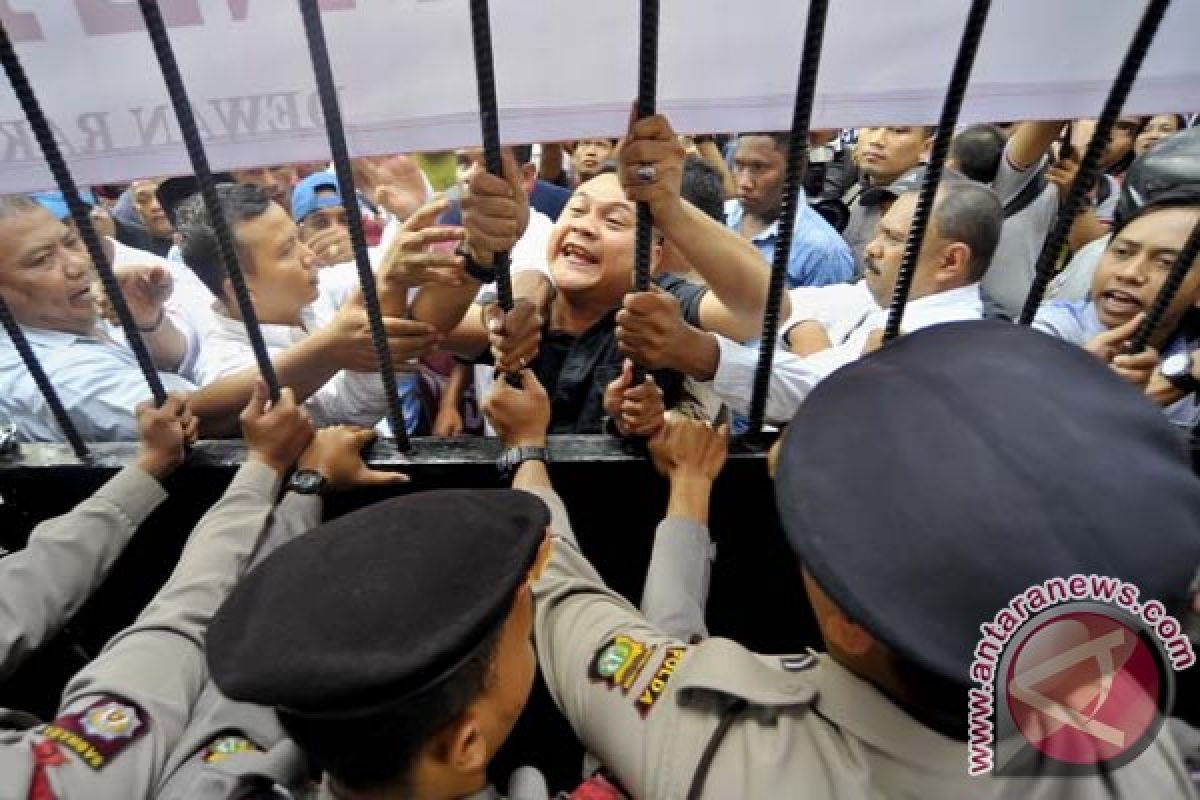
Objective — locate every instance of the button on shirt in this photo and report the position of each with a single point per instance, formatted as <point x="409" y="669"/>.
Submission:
<point x="1078" y="322"/>
<point x="819" y="255"/>
<point x="97" y="379"/>
<point x="849" y="314"/>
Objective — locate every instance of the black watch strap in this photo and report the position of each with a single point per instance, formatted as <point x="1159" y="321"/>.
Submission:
<point x="484" y="275"/>
<point x="307" y="481"/>
<point x="514" y="457"/>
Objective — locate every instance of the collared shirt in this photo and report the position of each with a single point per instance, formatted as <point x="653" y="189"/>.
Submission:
<point x="819" y="256"/>
<point x="97" y="379"/>
<point x="576" y="369"/>
<point x="855" y="315"/>
<point x="1077" y="322"/>
<point x="356" y="398"/>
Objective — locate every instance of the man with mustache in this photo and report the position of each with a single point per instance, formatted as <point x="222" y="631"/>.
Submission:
<point x="834" y="325"/>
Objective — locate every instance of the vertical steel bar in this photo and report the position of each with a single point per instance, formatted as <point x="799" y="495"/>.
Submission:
<point x="797" y="165"/>
<point x="327" y="90"/>
<point x="1089" y="168"/>
<point x="959" y="77"/>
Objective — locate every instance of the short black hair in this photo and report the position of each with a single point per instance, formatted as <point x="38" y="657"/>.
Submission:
<point x="239" y="202"/>
<point x="379" y="752"/>
<point x="977" y="151"/>
<point x="970" y="213"/>
<point x="522" y="154"/>
<point x="703" y="187"/>
<point x="782" y="139"/>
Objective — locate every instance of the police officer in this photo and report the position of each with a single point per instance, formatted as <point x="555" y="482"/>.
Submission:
<point x="395" y="642"/>
<point x="922" y="489"/>
<point x="232" y="749"/>
<point x="66" y="558"/>
<point x="124" y="713"/>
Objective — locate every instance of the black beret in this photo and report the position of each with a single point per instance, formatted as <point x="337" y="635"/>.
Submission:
<point x="377" y="605"/>
<point x="929" y="483"/>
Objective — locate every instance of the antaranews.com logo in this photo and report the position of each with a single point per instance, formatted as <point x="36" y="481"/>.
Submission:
<point x="1074" y="675"/>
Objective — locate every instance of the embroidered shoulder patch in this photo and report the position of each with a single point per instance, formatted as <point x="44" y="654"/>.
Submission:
<point x="99" y="733"/>
<point x="658" y="684"/>
<point x="619" y="663"/>
<point x="224" y="747"/>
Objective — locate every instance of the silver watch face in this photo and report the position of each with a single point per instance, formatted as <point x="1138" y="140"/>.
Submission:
<point x="1176" y="365"/>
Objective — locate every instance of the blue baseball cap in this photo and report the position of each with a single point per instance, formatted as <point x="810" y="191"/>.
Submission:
<point x="306" y="198"/>
<point x="56" y="202"/>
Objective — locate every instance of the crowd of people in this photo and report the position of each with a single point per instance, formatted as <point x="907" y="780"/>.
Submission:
<point x="389" y="652"/>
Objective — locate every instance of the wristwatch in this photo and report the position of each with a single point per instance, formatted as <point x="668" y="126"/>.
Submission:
<point x="514" y="457"/>
<point x="307" y="481"/>
<point x="1177" y="369"/>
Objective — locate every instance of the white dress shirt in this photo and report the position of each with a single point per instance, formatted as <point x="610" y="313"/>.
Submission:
<point x="96" y="377"/>
<point x="849" y="317"/>
<point x="355" y="398"/>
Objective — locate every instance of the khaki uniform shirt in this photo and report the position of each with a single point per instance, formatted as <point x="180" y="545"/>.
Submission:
<point x="648" y="706"/>
<point x="123" y="714"/>
<point x="44" y="584"/>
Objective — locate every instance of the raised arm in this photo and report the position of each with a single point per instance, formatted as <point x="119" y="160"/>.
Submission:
<point x="124" y="713"/>
<point x="690" y="454"/>
<point x="731" y="266"/>
<point x="68" y="557"/>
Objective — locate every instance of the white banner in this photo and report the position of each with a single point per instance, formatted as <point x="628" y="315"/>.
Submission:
<point x="564" y="69"/>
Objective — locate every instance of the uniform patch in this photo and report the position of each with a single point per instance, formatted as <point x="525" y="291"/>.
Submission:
<point x="98" y="733"/>
<point x="225" y="747"/>
<point x="658" y="684"/>
<point x="619" y="663"/>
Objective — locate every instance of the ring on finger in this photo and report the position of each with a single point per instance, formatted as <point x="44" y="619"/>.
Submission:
<point x="646" y="173"/>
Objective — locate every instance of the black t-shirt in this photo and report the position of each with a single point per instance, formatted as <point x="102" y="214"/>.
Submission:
<point x="576" y="369"/>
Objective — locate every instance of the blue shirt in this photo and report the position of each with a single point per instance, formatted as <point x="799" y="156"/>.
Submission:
<point x="98" y="381"/>
<point x="819" y="257"/>
<point x="1076" y="321"/>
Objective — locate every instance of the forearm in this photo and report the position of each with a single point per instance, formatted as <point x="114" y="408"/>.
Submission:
<point x="550" y="162"/>
<point x="304" y="367"/>
<point x="167" y="345"/>
<point x="730" y="265"/>
<point x="444" y="307"/>
<point x="44" y="584"/>
<point x="677" y="579"/>
<point x="1031" y="141"/>
<point x="469" y="338"/>
<point x="158" y="662"/>
<point x="808" y="338"/>
<point x="1086" y="228"/>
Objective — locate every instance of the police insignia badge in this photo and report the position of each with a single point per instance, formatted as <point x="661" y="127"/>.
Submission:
<point x="658" y="684"/>
<point x="225" y="747"/>
<point x="99" y="732"/>
<point x="619" y="662"/>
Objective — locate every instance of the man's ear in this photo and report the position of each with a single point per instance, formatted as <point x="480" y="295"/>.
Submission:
<point x="656" y="255"/>
<point x="955" y="268"/>
<point x="927" y="146"/>
<point x="847" y="635"/>
<point x="463" y="745"/>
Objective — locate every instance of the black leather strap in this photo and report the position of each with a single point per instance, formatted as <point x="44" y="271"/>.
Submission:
<point x="710" y="750"/>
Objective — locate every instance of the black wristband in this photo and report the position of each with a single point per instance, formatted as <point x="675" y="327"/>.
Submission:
<point x="484" y="275"/>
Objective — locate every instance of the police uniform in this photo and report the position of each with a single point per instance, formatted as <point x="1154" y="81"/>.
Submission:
<point x="65" y="559"/>
<point x="124" y="713"/>
<point x="230" y="748"/>
<point x="931" y="452"/>
<point x="345" y="627"/>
